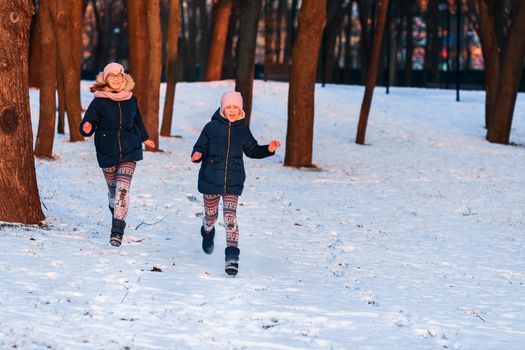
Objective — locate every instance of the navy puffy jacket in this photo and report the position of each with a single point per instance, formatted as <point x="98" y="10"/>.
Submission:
<point x="222" y="144"/>
<point x="119" y="130"/>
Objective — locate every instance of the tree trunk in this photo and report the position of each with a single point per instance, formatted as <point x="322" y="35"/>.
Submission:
<point x="512" y="68"/>
<point x="19" y="199"/>
<point x="205" y="36"/>
<point x="154" y="71"/>
<point x="348" y="43"/>
<point x="280" y="16"/>
<point x="430" y="64"/>
<point x="332" y="29"/>
<point x="76" y="9"/>
<point x="34" y="51"/>
<point x="61" y="97"/>
<point x="191" y="58"/>
<point x="230" y="52"/>
<point x="63" y="18"/>
<point x="221" y="19"/>
<point x="372" y="72"/>
<point x="301" y="93"/>
<point x="393" y="32"/>
<point x="246" y="61"/>
<point x="171" y="65"/>
<point x="490" y="49"/>
<point x="268" y="34"/>
<point x="138" y="49"/>
<point x="365" y="42"/>
<point x="48" y="76"/>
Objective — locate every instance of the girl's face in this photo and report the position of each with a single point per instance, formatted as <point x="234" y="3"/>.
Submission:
<point x="115" y="80"/>
<point x="232" y="113"/>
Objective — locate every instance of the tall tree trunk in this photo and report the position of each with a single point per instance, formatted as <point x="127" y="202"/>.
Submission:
<point x="183" y="43"/>
<point x="348" y="42"/>
<point x="491" y="58"/>
<point x="205" y="36"/>
<point x="333" y="23"/>
<point x="34" y="51"/>
<point x="372" y="72"/>
<point x="301" y="93"/>
<point x="512" y="68"/>
<point x="221" y="18"/>
<point x="280" y="23"/>
<point x="19" y="199"/>
<point x="63" y="18"/>
<point x="231" y="50"/>
<point x="430" y="64"/>
<point x="48" y="79"/>
<point x="171" y="65"/>
<point x="76" y="9"/>
<point x="154" y="71"/>
<point x="268" y="34"/>
<point x="393" y="32"/>
<point x="138" y="49"/>
<point x="61" y="97"/>
<point x="246" y="61"/>
<point x="191" y="59"/>
<point x="365" y="40"/>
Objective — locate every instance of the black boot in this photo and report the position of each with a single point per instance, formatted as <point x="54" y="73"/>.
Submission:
<point x="117" y="232"/>
<point x="207" y="240"/>
<point x="232" y="260"/>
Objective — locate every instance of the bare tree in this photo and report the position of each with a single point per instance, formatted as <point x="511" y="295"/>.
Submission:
<point x="372" y="72"/>
<point x="250" y="10"/>
<point x="64" y="20"/>
<point x="34" y="50"/>
<point x="171" y="65"/>
<point x="48" y="79"/>
<point x="305" y="54"/>
<point x="154" y="71"/>
<point x="222" y="10"/>
<point x="504" y="101"/>
<point x="138" y="49"/>
<point x="334" y="17"/>
<point x="19" y="199"/>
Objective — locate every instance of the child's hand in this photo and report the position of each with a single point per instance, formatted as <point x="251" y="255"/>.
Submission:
<point x="87" y="127"/>
<point x="149" y="143"/>
<point x="274" y="144"/>
<point x="196" y="156"/>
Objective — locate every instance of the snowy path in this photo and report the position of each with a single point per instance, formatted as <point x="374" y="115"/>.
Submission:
<point x="412" y="242"/>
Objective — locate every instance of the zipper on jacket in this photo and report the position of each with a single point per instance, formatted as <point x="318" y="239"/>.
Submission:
<point x="120" y="128"/>
<point x="227" y="156"/>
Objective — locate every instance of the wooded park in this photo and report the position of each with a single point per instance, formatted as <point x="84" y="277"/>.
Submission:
<point x="51" y="45"/>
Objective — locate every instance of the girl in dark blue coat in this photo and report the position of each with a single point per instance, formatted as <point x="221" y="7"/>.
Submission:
<point x="220" y="147"/>
<point x="114" y="117"/>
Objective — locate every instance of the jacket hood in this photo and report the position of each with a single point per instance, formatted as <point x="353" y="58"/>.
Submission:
<point x="100" y="84"/>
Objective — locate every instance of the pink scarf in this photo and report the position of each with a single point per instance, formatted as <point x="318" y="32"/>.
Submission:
<point x="115" y="96"/>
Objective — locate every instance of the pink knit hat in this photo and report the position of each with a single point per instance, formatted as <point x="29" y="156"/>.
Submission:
<point x="231" y="98"/>
<point x="112" y="67"/>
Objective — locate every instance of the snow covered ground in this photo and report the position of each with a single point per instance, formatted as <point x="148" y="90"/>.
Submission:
<point x="414" y="241"/>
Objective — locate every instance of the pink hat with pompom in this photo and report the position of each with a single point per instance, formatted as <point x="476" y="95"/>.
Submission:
<point x="231" y="98"/>
<point x="112" y="67"/>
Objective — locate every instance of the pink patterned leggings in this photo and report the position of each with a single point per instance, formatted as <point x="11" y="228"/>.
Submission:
<point x="229" y="211"/>
<point x="118" y="179"/>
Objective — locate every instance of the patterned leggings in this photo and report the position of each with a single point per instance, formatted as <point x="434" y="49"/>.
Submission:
<point x="229" y="211"/>
<point x="118" y="179"/>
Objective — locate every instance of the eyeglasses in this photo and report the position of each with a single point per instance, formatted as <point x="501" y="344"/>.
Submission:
<point x="115" y="76"/>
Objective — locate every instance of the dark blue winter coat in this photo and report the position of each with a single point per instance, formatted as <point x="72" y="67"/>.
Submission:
<point x="222" y="144"/>
<point x="119" y="130"/>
